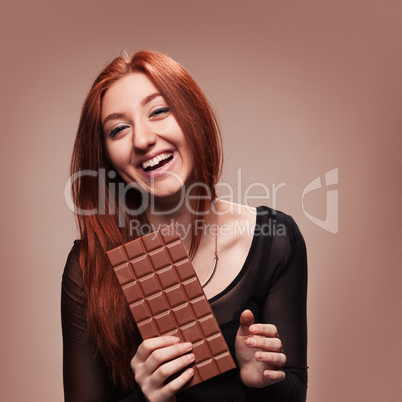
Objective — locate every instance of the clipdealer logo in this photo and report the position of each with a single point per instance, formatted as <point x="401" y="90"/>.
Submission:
<point x="330" y="223"/>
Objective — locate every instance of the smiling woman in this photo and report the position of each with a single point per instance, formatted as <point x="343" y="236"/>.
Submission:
<point x="143" y="139"/>
<point x="147" y="126"/>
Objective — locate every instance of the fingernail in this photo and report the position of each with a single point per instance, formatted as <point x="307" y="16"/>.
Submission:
<point x="268" y="374"/>
<point x="252" y="329"/>
<point x="188" y="345"/>
<point x="190" y="371"/>
<point x="251" y="341"/>
<point x="191" y="357"/>
<point x="175" y="339"/>
<point x="259" y="356"/>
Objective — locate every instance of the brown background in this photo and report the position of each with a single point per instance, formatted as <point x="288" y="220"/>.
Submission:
<point x="301" y="87"/>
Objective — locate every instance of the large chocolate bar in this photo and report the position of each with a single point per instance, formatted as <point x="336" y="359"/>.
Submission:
<point x="166" y="298"/>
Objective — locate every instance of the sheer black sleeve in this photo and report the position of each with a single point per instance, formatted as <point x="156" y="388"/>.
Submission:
<point x="85" y="374"/>
<point x="285" y="307"/>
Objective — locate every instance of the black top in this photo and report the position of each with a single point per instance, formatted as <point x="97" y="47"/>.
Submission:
<point x="272" y="284"/>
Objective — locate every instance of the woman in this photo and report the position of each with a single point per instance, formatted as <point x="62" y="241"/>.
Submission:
<point x="148" y="153"/>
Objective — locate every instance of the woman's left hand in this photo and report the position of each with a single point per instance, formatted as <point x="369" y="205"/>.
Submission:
<point x="259" y="352"/>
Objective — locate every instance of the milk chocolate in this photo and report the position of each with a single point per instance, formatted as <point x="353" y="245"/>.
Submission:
<point x="166" y="298"/>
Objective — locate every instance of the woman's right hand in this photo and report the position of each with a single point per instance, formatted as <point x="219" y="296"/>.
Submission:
<point x="156" y="360"/>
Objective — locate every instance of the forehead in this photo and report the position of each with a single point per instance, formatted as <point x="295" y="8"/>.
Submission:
<point x="127" y="92"/>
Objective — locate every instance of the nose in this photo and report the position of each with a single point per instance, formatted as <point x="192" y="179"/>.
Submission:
<point x="144" y="138"/>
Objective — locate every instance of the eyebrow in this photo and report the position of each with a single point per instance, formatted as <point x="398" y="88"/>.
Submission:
<point x="116" y="116"/>
<point x="113" y="116"/>
<point x="149" y="98"/>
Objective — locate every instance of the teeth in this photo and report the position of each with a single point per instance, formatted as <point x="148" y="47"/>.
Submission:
<point x="157" y="159"/>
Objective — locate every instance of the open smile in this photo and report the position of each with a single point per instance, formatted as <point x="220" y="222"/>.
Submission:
<point x="157" y="165"/>
<point x="157" y="162"/>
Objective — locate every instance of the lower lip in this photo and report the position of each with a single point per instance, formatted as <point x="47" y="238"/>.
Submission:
<point x="163" y="170"/>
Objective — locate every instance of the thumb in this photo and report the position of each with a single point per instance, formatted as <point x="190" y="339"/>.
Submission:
<point x="246" y="319"/>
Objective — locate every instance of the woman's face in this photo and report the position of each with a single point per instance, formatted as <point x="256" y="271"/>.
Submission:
<point x="143" y="139"/>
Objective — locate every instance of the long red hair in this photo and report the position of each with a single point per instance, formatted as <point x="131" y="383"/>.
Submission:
<point x="101" y="226"/>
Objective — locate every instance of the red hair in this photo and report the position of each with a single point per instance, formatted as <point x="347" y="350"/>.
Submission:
<point x="109" y="318"/>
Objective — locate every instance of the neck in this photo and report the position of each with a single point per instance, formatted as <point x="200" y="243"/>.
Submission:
<point x="166" y="214"/>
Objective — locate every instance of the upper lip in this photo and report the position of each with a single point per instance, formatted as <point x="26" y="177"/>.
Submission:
<point x="152" y="155"/>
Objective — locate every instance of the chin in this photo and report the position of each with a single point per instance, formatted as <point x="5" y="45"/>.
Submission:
<point x="172" y="194"/>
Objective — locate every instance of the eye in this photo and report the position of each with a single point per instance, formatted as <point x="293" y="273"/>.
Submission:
<point x="117" y="130"/>
<point x="159" y="112"/>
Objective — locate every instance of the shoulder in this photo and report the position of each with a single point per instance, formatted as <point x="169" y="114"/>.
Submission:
<point x="277" y="224"/>
<point x="288" y="248"/>
<point x="281" y="238"/>
<point x="73" y="260"/>
<point x="72" y="279"/>
<point x="236" y="224"/>
<point x="261" y="220"/>
<point x="73" y="303"/>
<point x="231" y="215"/>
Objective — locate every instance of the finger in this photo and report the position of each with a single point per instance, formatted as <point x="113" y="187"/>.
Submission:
<point x="262" y="342"/>
<point x="269" y="330"/>
<point x="274" y="375"/>
<point x="172" y="367"/>
<point x="275" y="360"/>
<point x="162" y="355"/>
<point x="149" y="345"/>
<point x="246" y="319"/>
<point x="173" y="386"/>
